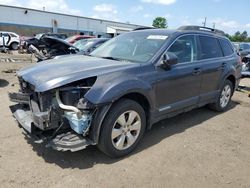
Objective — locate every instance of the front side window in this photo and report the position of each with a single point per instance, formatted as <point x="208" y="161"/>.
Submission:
<point x="135" y="47"/>
<point x="13" y="35"/>
<point x="5" y="34"/>
<point x="209" y="47"/>
<point x="185" y="49"/>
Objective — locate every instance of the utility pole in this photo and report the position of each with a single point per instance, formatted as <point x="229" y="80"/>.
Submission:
<point x="205" y="22"/>
<point x="214" y="25"/>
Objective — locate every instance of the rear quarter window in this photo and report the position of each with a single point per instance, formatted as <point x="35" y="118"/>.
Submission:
<point x="226" y="47"/>
<point x="209" y="48"/>
<point x="13" y="35"/>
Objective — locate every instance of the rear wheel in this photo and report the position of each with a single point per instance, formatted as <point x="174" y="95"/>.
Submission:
<point x="122" y="128"/>
<point x="224" y="98"/>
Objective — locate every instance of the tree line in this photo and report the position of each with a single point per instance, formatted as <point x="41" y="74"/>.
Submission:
<point x="239" y="37"/>
<point x="161" y="22"/>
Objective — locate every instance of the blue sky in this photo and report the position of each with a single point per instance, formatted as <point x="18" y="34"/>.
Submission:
<point x="228" y="15"/>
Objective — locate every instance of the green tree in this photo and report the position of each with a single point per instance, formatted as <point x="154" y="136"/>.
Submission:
<point x="160" y="22"/>
<point x="244" y="35"/>
<point x="239" y="37"/>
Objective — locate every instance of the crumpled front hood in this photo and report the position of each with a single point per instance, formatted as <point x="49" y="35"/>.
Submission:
<point x="50" y="41"/>
<point x="51" y="74"/>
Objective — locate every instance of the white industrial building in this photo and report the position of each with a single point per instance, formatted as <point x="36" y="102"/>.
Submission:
<point x="26" y="21"/>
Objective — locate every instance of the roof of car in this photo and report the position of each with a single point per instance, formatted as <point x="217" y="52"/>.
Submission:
<point x="97" y="39"/>
<point x="7" y="32"/>
<point x="181" y="30"/>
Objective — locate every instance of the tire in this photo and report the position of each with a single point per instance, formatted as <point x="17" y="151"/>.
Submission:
<point x="14" y="46"/>
<point x="226" y="91"/>
<point x="122" y="129"/>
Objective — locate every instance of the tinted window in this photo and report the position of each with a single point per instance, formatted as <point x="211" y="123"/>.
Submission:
<point x="226" y="47"/>
<point x="185" y="49"/>
<point x="209" y="47"/>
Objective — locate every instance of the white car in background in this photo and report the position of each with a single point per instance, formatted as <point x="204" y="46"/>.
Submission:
<point x="9" y="39"/>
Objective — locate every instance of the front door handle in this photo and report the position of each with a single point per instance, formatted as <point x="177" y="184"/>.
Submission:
<point x="196" y="71"/>
<point x="223" y="66"/>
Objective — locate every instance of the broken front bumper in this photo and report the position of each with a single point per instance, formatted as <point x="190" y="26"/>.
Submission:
<point x="34" y="124"/>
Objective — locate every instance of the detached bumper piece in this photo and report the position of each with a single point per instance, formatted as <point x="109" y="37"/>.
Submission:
<point x="69" y="141"/>
<point x="24" y="117"/>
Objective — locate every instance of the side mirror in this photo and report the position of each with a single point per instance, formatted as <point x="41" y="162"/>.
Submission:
<point x="168" y="59"/>
<point x="240" y="49"/>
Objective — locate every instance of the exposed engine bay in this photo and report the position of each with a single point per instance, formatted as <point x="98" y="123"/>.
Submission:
<point x="56" y="115"/>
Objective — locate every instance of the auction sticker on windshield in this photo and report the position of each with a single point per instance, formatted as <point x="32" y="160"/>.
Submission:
<point x="157" y="37"/>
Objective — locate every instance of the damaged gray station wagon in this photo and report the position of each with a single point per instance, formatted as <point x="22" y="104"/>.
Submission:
<point x="122" y="88"/>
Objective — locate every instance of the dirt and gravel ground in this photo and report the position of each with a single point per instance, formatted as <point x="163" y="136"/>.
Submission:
<point x="201" y="148"/>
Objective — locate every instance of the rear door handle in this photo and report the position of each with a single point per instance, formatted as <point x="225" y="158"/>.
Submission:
<point x="196" y="71"/>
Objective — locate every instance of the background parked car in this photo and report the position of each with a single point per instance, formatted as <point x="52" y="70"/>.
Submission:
<point x="86" y="46"/>
<point x="75" y="38"/>
<point x="244" y="49"/>
<point x="38" y="42"/>
<point x="9" y="39"/>
<point x="52" y="47"/>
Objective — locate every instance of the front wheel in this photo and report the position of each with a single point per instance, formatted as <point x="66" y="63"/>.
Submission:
<point x="224" y="97"/>
<point x="122" y="128"/>
<point x="14" y="46"/>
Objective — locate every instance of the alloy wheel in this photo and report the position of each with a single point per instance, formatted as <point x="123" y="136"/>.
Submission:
<point x="225" y="96"/>
<point x="126" y="130"/>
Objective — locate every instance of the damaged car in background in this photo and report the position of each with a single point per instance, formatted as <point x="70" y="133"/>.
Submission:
<point x="52" y="47"/>
<point x="122" y="88"/>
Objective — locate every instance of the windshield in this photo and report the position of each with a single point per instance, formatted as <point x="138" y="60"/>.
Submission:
<point x="70" y="38"/>
<point x="83" y="44"/>
<point x="38" y="36"/>
<point x="136" y="47"/>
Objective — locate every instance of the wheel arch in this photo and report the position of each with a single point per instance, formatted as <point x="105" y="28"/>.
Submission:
<point x="101" y="114"/>
<point x="232" y="79"/>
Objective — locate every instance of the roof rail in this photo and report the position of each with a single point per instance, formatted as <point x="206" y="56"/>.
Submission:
<point x="142" y="28"/>
<point x="201" y="28"/>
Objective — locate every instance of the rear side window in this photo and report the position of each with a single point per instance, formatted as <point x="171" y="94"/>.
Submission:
<point x="209" y="47"/>
<point x="226" y="47"/>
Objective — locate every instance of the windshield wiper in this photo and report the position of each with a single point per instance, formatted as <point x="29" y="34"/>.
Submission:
<point x="116" y="59"/>
<point x="112" y="58"/>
